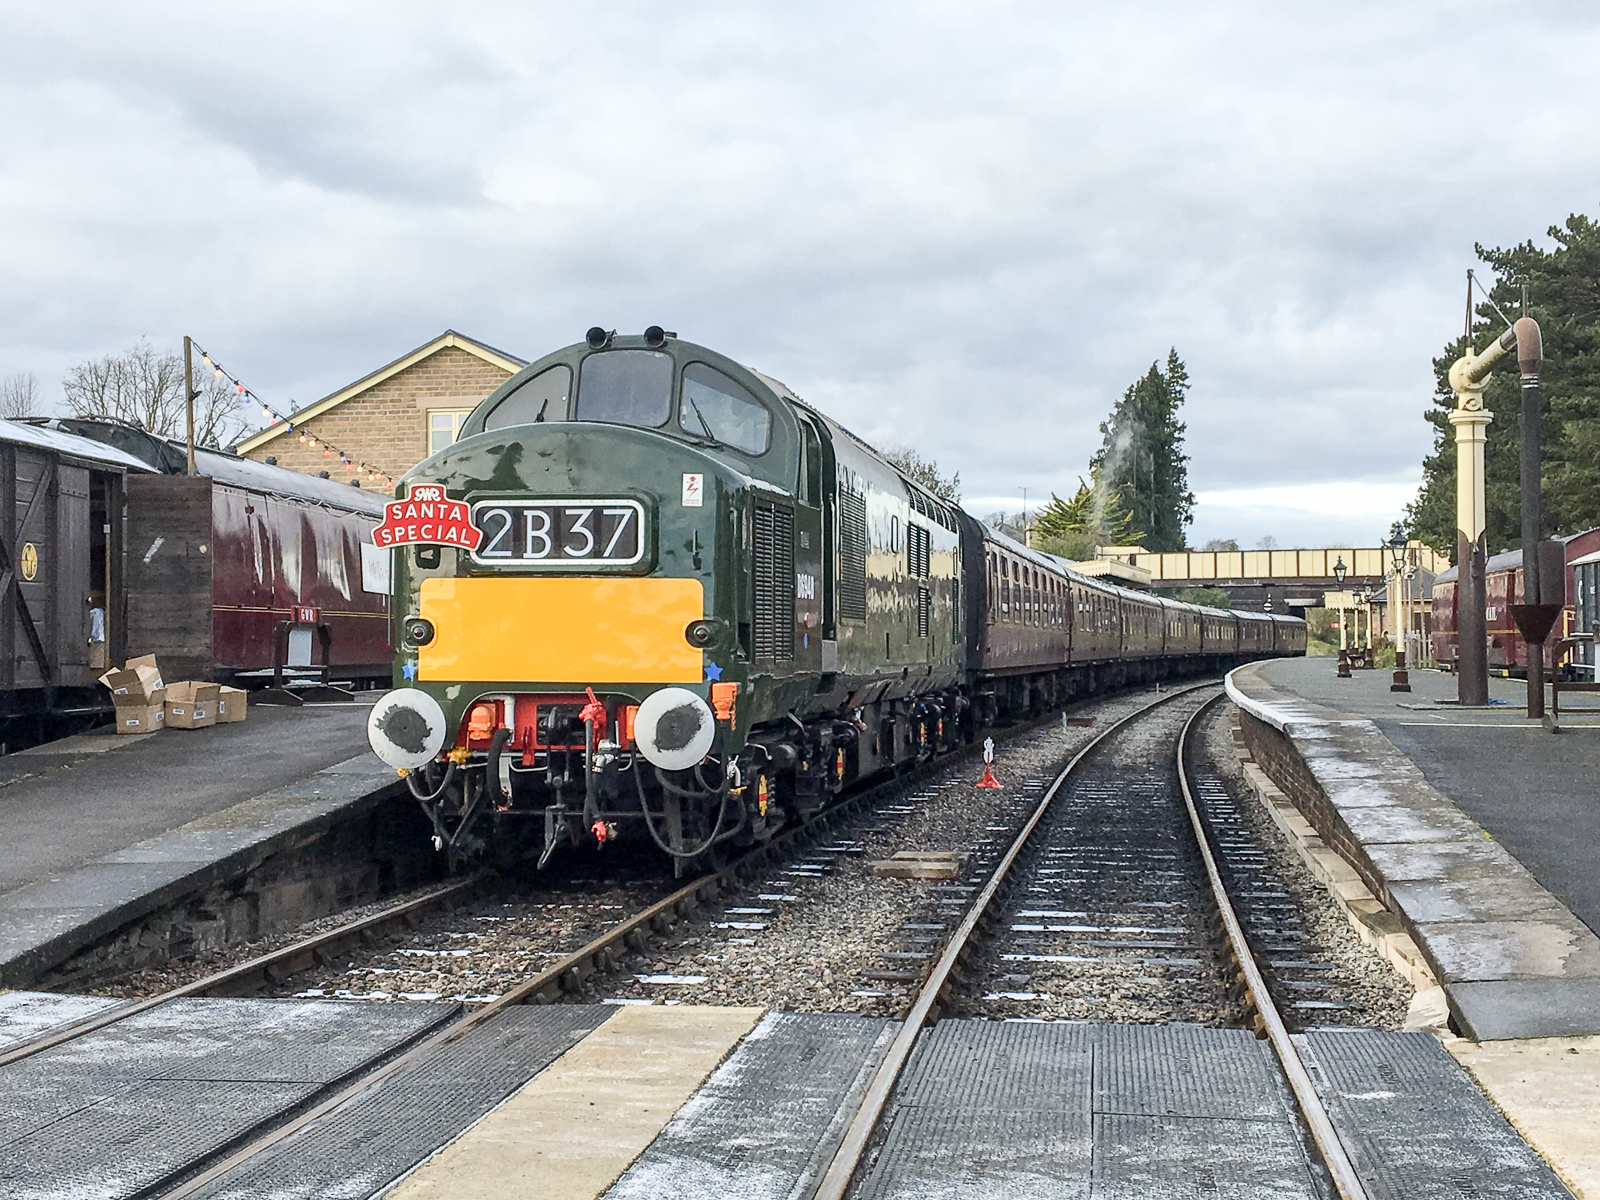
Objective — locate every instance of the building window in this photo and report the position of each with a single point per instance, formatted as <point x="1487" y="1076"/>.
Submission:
<point x="444" y="426"/>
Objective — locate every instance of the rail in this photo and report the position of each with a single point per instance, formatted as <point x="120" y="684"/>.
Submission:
<point x="847" y="1159"/>
<point x="836" y="1179"/>
<point x="1343" y="1174"/>
<point x="264" y="968"/>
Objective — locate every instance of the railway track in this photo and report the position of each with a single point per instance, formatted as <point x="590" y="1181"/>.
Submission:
<point x="263" y="970"/>
<point x="630" y="935"/>
<point x="1059" y="882"/>
<point x="565" y="977"/>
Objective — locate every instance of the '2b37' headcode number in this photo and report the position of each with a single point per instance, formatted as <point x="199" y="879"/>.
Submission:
<point x="547" y="534"/>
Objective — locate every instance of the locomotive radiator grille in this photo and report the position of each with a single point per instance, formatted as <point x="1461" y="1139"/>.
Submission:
<point x="774" y="581"/>
<point x="924" y="605"/>
<point x="852" y="555"/>
<point x="917" y="551"/>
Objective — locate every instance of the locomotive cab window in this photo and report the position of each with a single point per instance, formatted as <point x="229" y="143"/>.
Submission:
<point x="626" y="387"/>
<point x="542" y="398"/>
<point x="715" y="407"/>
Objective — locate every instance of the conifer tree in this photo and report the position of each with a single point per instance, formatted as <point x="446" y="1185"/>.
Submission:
<point x="1093" y="517"/>
<point x="1141" y="460"/>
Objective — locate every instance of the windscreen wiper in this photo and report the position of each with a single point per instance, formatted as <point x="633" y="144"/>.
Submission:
<point x="542" y="407"/>
<point x="703" y="425"/>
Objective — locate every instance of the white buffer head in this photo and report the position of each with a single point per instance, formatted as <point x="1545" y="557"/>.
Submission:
<point x="674" y="729"/>
<point x="406" y="728"/>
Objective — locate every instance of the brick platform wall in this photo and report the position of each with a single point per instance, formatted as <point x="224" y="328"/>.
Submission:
<point x="1276" y="755"/>
<point x="386" y="426"/>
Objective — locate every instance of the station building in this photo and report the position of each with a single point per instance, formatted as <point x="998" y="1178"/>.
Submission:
<point x="392" y="418"/>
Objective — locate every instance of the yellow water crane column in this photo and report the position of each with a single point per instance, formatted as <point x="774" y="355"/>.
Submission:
<point x="1469" y="377"/>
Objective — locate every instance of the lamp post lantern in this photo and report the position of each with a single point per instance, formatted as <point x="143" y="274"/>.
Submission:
<point x="1366" y="602"/>
<point x="1343" y="672"/>
<point x="1399" y="598"/>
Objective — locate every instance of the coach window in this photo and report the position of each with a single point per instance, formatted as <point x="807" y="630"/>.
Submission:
<point x="715" y="407"/>
<point x="626" y="387"/>
<point x="542" y="398"/>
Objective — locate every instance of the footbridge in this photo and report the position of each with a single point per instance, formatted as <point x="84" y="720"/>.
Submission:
<point x="1290" y="579"/>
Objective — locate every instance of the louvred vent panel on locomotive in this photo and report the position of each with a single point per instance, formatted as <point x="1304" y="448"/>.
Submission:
<point x="924" y="605"/>
<point x="917" y="551"/>
<point x="774" y="584"/>
<point x="852" y="555"/>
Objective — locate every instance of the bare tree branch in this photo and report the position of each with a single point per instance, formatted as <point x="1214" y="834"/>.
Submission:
<point x="144" y="387"/>
<point x="19" y="396"/>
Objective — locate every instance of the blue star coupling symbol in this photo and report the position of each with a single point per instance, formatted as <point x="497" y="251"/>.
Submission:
<point x="409" y="670"/>
<point x="713" y="672"/>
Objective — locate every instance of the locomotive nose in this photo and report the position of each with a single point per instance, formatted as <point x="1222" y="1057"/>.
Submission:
<point x="406" y="728"/>
<point x="674" y="728"/>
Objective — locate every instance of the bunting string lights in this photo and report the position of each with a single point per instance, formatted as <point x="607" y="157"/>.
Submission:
<point x="273" y="417"/>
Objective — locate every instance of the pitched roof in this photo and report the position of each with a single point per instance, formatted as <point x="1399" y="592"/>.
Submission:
<point x="447" y="340"/>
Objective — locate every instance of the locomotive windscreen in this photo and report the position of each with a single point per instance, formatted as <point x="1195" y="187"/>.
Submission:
<point x="542" y="398"/>
<point x="715" y="405"/>
<point x="626" y="387"/>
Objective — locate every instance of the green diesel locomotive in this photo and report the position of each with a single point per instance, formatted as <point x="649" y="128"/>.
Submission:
<point x="650" y="592"/>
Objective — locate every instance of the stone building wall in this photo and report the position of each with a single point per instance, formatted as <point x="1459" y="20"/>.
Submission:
<point x="386" y="426"/>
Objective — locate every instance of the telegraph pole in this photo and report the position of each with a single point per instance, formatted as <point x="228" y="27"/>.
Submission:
<point x="1469" y="377"/>
<point x="188" y="395"/>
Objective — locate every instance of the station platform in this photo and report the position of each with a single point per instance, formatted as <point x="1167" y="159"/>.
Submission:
<point x="100" y="828"/>
<point x="1474" y="826"/>
<point x="630" y="1101"/>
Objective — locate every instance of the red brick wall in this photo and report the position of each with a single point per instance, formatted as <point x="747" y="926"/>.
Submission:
<point x="1278" y="757"/>
<point x="386" y="426"/>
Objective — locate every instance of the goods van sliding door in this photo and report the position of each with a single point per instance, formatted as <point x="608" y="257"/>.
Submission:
<point x="168" y="573"/>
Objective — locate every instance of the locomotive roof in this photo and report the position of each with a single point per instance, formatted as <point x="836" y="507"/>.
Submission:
<point x="69" y="444"/>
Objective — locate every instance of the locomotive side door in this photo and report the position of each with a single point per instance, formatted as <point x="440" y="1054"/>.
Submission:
<point x="815" y="632"/>
<point x="813" y="615"/>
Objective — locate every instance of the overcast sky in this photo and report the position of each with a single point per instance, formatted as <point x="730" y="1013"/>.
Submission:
<point x="960" y="227"/>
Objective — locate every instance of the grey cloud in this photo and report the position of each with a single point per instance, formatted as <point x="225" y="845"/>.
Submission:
<point x="967" y="228"/>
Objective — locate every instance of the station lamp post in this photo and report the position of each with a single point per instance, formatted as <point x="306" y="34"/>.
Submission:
<point x="1400" y="613"/>
<point x="1344" y="642"/>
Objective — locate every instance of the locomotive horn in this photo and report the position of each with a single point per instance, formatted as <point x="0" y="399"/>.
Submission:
<point x="598" y="338"/>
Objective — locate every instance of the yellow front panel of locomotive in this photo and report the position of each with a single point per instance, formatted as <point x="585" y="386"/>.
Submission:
<point x="561" y="630"/>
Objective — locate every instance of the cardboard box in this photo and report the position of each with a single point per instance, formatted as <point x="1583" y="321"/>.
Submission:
<point x="192" y="705"/>
<point x="143" y="717"/>
<point x="138" y="680"/>
<point x="231" y="705"/>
